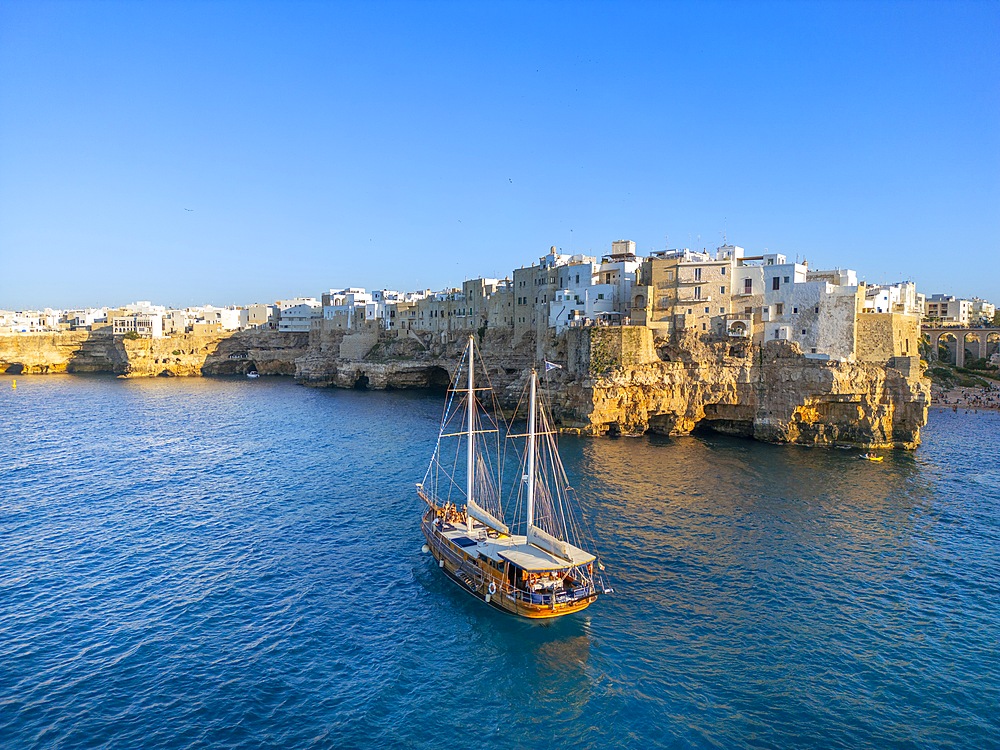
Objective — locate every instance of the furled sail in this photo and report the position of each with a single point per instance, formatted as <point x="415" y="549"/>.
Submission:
<point x="544" y="540"/>
<point x="484" y="516"/>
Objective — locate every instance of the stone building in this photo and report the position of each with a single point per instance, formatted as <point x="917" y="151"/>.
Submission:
<point x="535" y="287"/>
<point x="682" y="290"/>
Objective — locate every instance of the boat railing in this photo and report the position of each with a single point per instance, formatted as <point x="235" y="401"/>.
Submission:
<point x="562" y="595"/>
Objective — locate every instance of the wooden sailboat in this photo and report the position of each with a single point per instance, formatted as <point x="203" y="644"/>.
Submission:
<point x="539" y="573"/>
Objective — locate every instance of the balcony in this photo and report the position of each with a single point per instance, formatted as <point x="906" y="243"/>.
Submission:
<point x="738" y="325"/>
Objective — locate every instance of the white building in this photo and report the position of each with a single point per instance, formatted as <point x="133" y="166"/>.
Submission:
<point x="948" y="310"/>
<point x="259" y="316"/>
<point x="29" y="321"/>
<point x="299" y="318"/>
<point x="227" y="318"/>
<point x="144" y="325"/>
<point x="619" y="270"/>
<point x="900" y="297"/>
<point x="815" y="309"/>
<point x="84" y="319"/>
<point x="982" y="312"/>
<point x="348" y="308"/>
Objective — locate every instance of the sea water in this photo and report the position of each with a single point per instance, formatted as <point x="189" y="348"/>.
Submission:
<point x="236" y="563"/>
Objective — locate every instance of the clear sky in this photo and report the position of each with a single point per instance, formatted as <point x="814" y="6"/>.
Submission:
<point x="233" y="152"/>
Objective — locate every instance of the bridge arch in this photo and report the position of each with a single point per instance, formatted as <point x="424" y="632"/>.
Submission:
<point x="972" y="345"/>
<point x="992" y="343"/>
<point x="946" y="347"/>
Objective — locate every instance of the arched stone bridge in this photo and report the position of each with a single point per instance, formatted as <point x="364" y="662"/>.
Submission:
<point x="980" y="341"/>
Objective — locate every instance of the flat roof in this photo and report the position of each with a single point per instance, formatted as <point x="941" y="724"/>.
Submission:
<point x="515" y="549"/>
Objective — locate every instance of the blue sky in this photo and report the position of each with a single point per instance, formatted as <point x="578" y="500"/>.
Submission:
<point x="192" y="152"/>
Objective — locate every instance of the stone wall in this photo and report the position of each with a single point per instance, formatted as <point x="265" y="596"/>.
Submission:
<point x="883" y="336"/>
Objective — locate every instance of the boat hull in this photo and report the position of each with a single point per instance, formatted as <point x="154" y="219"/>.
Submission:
<point x="489" y="586"/>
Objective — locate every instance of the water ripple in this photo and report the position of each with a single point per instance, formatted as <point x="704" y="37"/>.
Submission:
<point x="227" y="563"/>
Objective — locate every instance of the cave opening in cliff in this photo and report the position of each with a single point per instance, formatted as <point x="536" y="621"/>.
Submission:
<point x="725" y="419"/>
<point x="15" y="369"/>
<point x="733" y="427"/>
<point x="438" y="378"/>
<point x="361" y="384"/>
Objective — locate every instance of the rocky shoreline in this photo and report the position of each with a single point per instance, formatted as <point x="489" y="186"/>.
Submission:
<point x="615" y="380"/>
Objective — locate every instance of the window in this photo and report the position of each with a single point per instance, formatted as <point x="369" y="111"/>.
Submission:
<point x="697" y="292"/>
<point x="706" y="311"/>
<point x="786" y="279"/>
<point x="704" y="326"/>
<point x="670" y="275"/>
<point x="803" y="331"/>
<point x="697" y="274"/>
<point x="748" y="286"/>
<point x="607" y="278"/>
<point x="722" y="290"/>
<point x="690" y="311"/>
<point x="779" y="309"/>
<point x="748" y="311"/>
<point x="776" y="283"/>
<point x="600" y="296"/>
<point x="813" y="350"/>
<point x="795" y="310"/>
<point x="722" y="310"/>
<point x="723" y="270"/>
<point x="817" y="308"/>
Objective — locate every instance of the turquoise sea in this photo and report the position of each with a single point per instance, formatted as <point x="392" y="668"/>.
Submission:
<point x="233" y="563"/>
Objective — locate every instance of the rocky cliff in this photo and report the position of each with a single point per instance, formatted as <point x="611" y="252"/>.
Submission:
<point x="70" y="351"/>
<point x="619" y="381"/>
<point x="231" y="353"/>
<point x="616" y="380"/>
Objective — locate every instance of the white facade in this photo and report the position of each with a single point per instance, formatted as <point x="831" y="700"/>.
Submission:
<point x="815" y="309"/>
<point x="259" y="316"/>
<point x="29" y="321"/>
<point x="982" y="312"/>
<point x="141" y="324"/>
<point x="893" y="298"/>
<point x="299" y="318"/>
<point x="352" y="306"/>
<point x="228" y="318"/>
<point x="944" y="308"/>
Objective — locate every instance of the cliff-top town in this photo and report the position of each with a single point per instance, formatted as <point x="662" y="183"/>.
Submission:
<point x="725" y="294"/>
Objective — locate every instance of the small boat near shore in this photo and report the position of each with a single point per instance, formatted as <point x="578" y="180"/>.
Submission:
<point x="532" y="567"/>
<point x="870" y="457"/>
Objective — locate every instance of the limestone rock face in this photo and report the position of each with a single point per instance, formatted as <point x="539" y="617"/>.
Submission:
<point x="236" y="353"/>
<point x="404" y="359"/>
<point x="772" y="394"/>
<point x="269" y="352"/>
<point x="614" y="380"/>
<point x="68" y="351"/>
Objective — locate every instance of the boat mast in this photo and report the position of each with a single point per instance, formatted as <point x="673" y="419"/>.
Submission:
<point x="531" y="452"/>
<point x="470" y="461"/>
